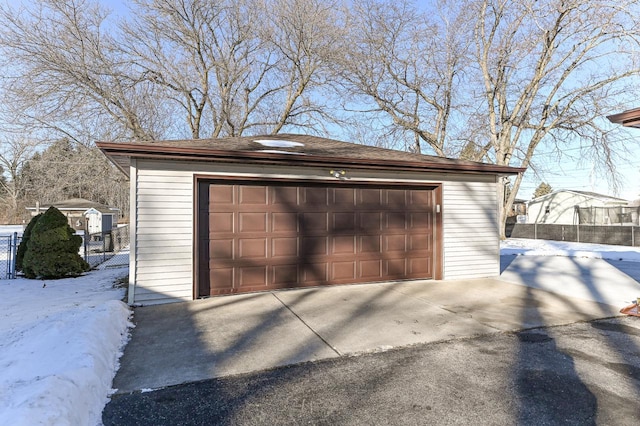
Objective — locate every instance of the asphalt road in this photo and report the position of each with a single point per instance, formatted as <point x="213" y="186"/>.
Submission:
<point x="580" y="374"/>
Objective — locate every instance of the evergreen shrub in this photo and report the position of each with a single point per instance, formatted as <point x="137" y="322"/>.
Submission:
<point x="26" y="235"/>
<point x="52" y="249"/>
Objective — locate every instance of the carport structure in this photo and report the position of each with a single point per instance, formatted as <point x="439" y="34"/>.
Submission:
<point x="244" y="214"/>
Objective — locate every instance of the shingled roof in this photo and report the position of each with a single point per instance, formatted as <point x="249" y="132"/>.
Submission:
<point x="77" y="204"/>
<point x="290" y="149"/>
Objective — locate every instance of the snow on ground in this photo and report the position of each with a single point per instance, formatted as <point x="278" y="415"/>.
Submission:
<point x="526" y="247"/>
<point x="60" y="341"/>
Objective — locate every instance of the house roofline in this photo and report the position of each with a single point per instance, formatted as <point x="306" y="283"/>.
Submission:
<point x="116" y="150"/>
<point x="112" y="210"/>
<point x="602" y="197"/>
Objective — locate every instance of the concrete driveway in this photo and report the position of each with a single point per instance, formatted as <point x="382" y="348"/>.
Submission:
<point x="192" y="341"/>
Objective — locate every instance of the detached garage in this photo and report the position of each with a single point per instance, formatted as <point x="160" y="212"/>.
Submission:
<point x="225" y="216"/>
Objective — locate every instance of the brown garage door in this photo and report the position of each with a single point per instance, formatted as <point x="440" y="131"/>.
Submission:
<point x="262" y="236"/>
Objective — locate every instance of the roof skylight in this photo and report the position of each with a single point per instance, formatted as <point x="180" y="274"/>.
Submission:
<point x="278" y="143"/>
<point x="276" y="151"/>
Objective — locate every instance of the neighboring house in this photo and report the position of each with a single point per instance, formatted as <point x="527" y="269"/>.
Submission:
<point x="519" y="208"/>
<point x="84" y="215"/>
<point x="559" y="207"/>
<point x="242" y="214"/>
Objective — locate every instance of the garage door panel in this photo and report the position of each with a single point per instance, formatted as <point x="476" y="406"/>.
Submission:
<point x="343" y="197"/>
<point x="370" y="198"/>
<point x="341" y="271"/>
<point x="314" y="222"/>
<point x="314" y="246"/>
<point x="252" y="222"/>
<point x="286" y="275"/>
<point x="220" y="222"/>
<point x="284" y="196"/>
<point x="419" y="242"/>
<point x="395" y="220"/>
<point x="284" y="247"/>
<point x="314" y="196"/>
<point x="419" y="266"/>
<point x="252" y="276"/>
<point x="370" y="269"/>
<point x="343" y="244"/>
<point x="252" y="195"/>
<point x="419" y="198"/>
<point x="314" y="273"/>
<point x="370" y="221"/>
<point x="343" y="221"/>
<point x="370" y="244"/>
<point x="394" y="267"/>
<point x="221" y="278"/>
<point x="284" y="222"/>
<point x="420" y="221"/>
<point x="221" y="249"/>
<point x="260" y="237"/>
<point x="395" y="197"/>
<point x="220" y="195"/>
<point x="395" y="243"/>
<point x="251" y="248"/>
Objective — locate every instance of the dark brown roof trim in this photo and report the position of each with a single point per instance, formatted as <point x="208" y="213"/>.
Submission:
<point x="630" y="118"/>
<point x="137" y="150"/>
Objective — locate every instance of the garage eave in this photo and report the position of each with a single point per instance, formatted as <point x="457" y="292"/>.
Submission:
<point x="630" y="118"/>
<point x="121" y="153"/>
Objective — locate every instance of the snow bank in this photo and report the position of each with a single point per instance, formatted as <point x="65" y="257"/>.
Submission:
<point x="60" y="342"/>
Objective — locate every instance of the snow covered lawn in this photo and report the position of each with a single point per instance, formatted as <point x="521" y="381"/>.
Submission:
<point x="60" y="342"/>
<point x="525" y="247"/>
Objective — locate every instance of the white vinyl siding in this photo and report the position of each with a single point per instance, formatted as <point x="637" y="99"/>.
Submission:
<point x="470" y="228"/>
<point x="163" y="269"/>
<point x="164" y="243"/>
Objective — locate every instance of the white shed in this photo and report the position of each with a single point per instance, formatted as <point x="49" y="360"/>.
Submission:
<point x="100" y="220"/>
<point x="243" y="214"/>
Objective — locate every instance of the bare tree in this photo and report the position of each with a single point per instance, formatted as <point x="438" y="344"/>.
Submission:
<point x="550" y="71"/>
<point x="234" y="67"/>
<point x="14" y="152"/>
<point x="67" y="170"/>
<point x="62" y="63"/>
<point x="407" y="65"/>
<point x="535" y="72"/>
<point x="172" y="68"/>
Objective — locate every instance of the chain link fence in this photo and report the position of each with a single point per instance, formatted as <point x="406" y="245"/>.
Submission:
<point x="608" y="215"/>
<point x="8" y="248"/>
<point x="620" y="235"/>
<point x="107" y="249"/>
<point x="103" y="250"/>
